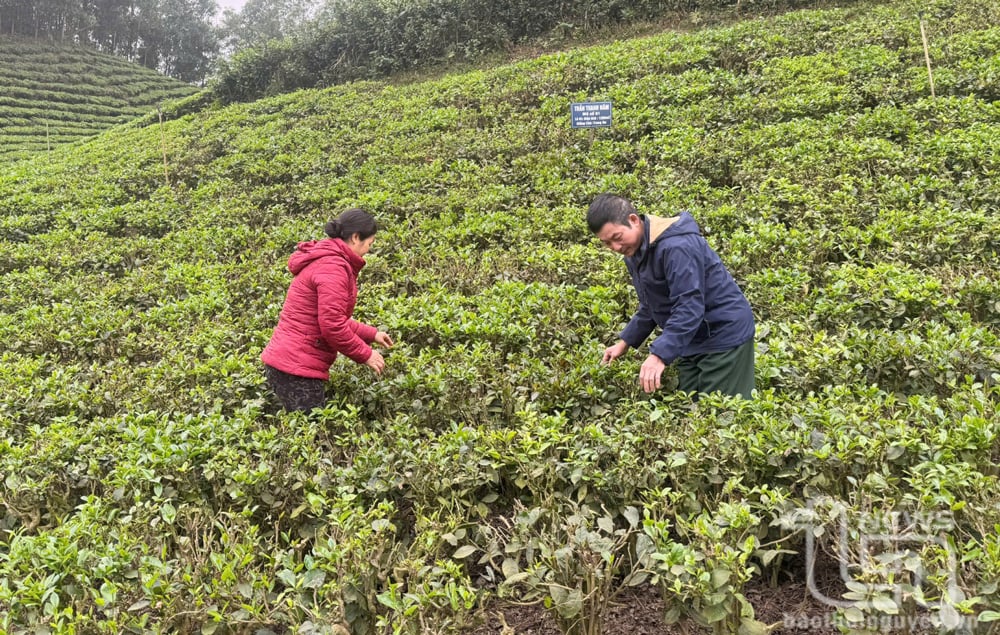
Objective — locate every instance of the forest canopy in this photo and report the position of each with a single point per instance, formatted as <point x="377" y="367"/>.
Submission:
<point x="275" y="46"/>
<point x="175" y="37"/>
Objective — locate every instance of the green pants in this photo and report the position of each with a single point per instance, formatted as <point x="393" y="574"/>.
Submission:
<point x="729" y="372"/>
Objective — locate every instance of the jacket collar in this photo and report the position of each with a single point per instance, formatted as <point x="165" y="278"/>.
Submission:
<point x="654" y="227"/>
<point x="356" y="261"/>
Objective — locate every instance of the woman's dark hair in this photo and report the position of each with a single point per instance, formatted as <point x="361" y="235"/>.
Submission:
<point x="608" y="208"/>
<point x="350" y="222"/>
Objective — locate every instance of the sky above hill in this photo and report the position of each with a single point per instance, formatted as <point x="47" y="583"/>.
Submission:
<point x="235" y="5"/>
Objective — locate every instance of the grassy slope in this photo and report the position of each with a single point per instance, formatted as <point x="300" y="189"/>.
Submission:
<point x="52" y="94"/>
<point x="858" y="213"/>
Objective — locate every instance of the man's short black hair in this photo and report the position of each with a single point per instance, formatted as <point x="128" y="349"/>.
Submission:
<point x="608" y="208"/>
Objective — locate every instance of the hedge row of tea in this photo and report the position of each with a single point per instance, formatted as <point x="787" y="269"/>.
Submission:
<point x="53" y="94"/>
<point x="151" y="484"/>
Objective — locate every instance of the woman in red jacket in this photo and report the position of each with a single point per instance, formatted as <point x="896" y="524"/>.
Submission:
<point x="316" y="321"/>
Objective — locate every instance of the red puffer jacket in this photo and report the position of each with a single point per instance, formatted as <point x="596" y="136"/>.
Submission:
<point x="315" y="322"/>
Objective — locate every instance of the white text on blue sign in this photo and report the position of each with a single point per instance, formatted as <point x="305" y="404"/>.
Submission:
<point x="590" y="114"/>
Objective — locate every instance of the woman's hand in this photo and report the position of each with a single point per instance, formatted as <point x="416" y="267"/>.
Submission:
<point x="382" y="339"/>
<point x="376" y="362"/>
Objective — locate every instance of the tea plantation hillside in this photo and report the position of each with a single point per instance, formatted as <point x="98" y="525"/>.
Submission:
<point x="150" y="484"/>
<point x="52" y="94"/>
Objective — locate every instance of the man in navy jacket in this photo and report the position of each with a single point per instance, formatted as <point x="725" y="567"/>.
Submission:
<point x="707" y="324"/>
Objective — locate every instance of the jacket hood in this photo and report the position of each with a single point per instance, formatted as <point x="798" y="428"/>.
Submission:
<point x="308" y="252"/>
<point x="678" y="225"/>
<point x="658" y="228"/>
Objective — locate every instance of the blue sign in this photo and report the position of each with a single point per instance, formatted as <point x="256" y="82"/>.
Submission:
<point x="590" y="114"/>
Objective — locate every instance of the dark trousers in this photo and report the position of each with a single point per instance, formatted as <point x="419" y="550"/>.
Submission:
<point x="729" y="372"/>
<point x="296" y="393"/>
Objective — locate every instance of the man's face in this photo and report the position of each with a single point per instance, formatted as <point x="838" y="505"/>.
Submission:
<point x="623" y="239"/>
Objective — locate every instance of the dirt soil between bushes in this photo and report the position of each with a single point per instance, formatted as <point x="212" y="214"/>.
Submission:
<point x="640" y="612"/>
<point x="790" y="607"/>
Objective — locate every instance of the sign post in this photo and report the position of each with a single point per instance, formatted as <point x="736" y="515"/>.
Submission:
<point x="590" y="114"/>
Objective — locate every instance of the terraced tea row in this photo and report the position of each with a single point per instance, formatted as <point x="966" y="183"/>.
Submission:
<point x="53" y="94"/>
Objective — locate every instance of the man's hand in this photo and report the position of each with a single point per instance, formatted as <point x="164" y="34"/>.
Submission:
<point x="376" y="362"/>
<point x="649" y="373"/>
<point x="382" y="339"/>
<point x="612" y="353"/>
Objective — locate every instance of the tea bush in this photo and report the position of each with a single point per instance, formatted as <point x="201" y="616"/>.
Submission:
<point x="150" y="482"/>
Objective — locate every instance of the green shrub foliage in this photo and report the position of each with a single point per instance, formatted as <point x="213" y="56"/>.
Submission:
<point x="148" y="482"/>
<point x="369" y="39"/>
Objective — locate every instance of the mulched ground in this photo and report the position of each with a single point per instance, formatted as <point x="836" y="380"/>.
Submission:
<point x="640" y="612"/>
<point x="789" y="605"/>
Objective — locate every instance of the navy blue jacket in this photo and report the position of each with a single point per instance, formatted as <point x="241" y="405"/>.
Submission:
<point x="684" y="289"/>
